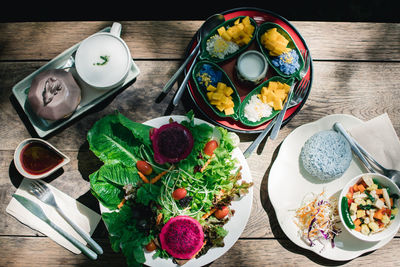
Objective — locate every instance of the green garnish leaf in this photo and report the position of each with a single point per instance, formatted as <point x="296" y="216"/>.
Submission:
<point x="147" y="193"/>
<point x="105" y="60"/>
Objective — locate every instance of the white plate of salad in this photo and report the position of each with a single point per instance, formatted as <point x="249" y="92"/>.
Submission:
<point x="135" y="211"/>
<point x="287" y="169"/>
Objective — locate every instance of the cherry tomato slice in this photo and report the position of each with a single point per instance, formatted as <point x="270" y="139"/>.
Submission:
<point x="151" y="246"/>
<point x="179" y="193"/>
<point x="210" y="147"/>
<point x="144" y="167"/>
<point x="222" y="212"/>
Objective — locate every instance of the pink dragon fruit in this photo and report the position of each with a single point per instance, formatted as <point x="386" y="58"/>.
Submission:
<point x="172" y="142"/>
<point x="182" y="237"/>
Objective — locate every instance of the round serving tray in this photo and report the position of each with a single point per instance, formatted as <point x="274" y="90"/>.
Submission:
<point x="260" y="16"/>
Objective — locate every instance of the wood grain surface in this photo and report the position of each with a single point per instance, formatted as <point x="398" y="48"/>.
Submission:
<point x="356" y="70"/>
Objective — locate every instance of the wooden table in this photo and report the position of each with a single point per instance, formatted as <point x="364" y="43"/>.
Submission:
<point x="356" y="70"/>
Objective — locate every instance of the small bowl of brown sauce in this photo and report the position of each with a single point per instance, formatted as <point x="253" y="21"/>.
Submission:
<point x="35" y="158"/>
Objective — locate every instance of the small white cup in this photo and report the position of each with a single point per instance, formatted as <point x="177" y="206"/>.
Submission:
<point x="251" y="67"/>
<point x="103" y="60"/>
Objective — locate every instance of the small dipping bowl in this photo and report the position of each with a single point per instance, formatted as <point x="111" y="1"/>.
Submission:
<point x="103" y="60"/>
<point x="35" y="158"/>
<point x="251" y="67"/>
<point x="394" y="225"/>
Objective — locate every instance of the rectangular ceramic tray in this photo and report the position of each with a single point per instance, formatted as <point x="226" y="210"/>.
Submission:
<point x="90" y="96"/>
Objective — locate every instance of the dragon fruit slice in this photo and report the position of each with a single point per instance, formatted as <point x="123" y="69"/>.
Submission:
<point x="182" y="237"/>
<point x="172" y="142"/>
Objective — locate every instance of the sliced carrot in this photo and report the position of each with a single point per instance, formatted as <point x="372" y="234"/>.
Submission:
<point x="361" y="188"/>
<point x="357" y="222"/>
<point x="358" y="228"/>
<point x="355" y="188"/>
<point x="364" y="184"/>
<point x="379" y="191"/>
<point x="159" y="218"/>
<point x="121" y="203"/>
<point x="378" y="214"/>
<point x="143" y="177"/>
<point x="208" y="214"/>
<point x="204" y="243"/>
<point x="158" y="176"/>
<point x="351" y="190"/>
<point x="391" y="202"/>
<point x="207" y="163"/>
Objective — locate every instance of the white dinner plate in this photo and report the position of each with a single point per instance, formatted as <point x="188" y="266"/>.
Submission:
<point x="288" y="183"/>
<point x="234" y="226"/>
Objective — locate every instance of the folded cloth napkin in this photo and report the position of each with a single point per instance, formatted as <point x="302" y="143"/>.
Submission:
<point x="379" y="138"/>
<point x="84" y="217"/>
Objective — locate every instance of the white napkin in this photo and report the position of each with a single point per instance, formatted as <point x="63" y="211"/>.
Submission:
<point x="379" y="138"/>
<point x="84" y="217"/>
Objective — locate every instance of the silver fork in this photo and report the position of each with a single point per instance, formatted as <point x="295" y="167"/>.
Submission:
<point x="302" y="73"/>
<point x="299" y="93"/>
<point x="298" y="96"/>
<point x="44" y="194"/>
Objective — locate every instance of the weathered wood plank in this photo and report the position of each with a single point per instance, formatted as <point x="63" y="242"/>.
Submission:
<point x="42" y="251"/>
<point x="284" y="253"/>
<point x="351" y="41"/>
<point x="169" y="39"/>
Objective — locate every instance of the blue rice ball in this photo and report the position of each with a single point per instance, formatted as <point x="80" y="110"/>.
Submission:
<point x="208" y="75"/>
<point x="288" y="62"/>
<point x="326" y="155"/>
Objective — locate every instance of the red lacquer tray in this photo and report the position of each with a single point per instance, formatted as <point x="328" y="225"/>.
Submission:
<point x="260" y="16"/>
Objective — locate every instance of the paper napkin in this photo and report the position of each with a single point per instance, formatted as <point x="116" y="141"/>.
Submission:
<point x="379" y="138"/>
<point x="84" y="217"/>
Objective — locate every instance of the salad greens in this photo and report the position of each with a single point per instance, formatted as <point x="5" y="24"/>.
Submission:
<point x="140" y="209"/>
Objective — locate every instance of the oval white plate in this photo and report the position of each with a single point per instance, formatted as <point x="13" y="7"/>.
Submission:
<point x="288" y="183"/>
<point x="235" y="225"/>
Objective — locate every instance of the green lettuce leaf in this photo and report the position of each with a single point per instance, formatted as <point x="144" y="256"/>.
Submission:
<point x="118" y="174"/>
<point x="147" y="193"/>
<point x="107" y="193"/>
<point x="116" y="139"/>
<point x="125" y="237"/>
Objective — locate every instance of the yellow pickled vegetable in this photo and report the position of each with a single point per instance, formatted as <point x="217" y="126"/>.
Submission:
<point x="275" y="42"/>
<point x="274" y="94"/>
<point x="240" y="32"/>
<point x="221" y="98"/>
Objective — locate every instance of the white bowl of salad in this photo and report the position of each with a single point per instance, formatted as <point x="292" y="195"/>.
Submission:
<point x="368" y="207"/>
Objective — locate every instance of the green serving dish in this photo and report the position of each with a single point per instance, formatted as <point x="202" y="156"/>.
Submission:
<point x="225" y="79"/>
<point x="269" y="25"/>
<point x="205" y="55"/>
<point x="256" y="91"/>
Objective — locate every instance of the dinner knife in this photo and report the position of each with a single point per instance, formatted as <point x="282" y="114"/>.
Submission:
<point x="36" y="210"/>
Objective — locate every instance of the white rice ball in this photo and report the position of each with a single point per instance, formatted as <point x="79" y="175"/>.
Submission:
<point x="326" y="155"/>
<point x="255" y="109"/>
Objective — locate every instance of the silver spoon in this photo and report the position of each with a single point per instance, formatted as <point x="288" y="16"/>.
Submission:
<point x="212" y="22"/>
<point x="394" y="175"/>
